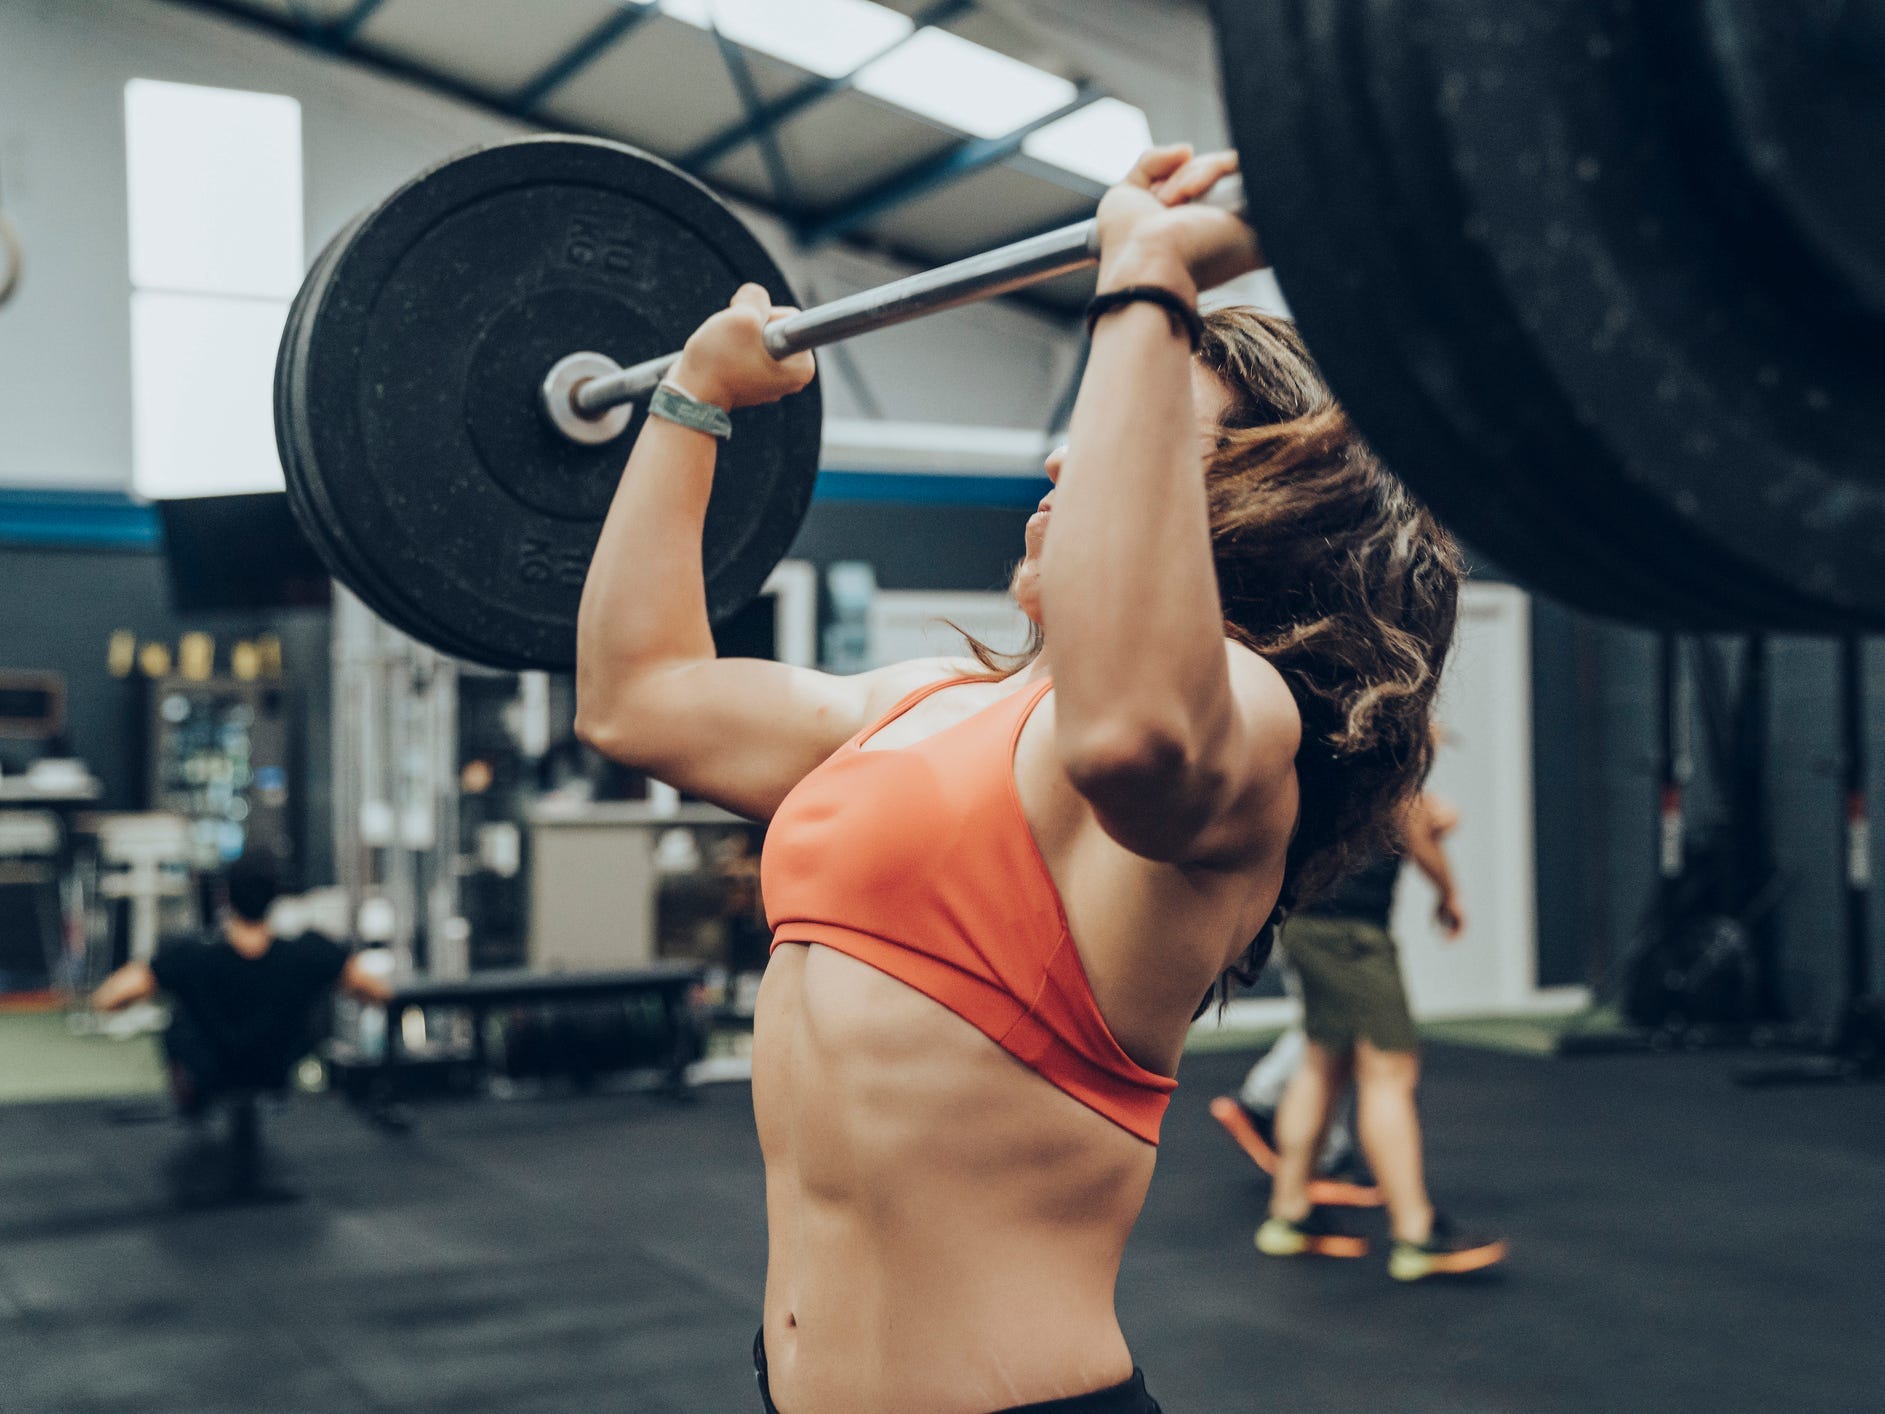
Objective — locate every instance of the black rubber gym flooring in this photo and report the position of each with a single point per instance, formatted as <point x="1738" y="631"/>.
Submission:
<point x="1678" y="1245"/>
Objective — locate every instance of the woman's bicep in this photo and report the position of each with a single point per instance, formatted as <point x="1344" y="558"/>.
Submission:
<point x="1227" y="802"/>
<point x="1261" y="798"/>
<point x="739" y="732"/>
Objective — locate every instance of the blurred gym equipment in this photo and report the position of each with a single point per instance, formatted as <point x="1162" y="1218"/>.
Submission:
<point x="452" y="1035"/>
<point x="1853" y="1047"/>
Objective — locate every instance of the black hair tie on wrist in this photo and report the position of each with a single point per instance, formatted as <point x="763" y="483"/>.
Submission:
<point x="1185" y="319"/>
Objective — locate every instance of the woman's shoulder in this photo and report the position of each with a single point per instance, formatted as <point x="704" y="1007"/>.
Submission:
<point x="1263" y="698"/>
<point x="886" y="686"/>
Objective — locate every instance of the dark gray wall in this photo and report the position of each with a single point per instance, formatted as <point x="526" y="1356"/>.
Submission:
<point x="1563" y="730"/>
<point x="916" y="547"/>
<point x="61" y="609"/>
<point x="1804" y="788"/>
<point x="1596" y="739"/>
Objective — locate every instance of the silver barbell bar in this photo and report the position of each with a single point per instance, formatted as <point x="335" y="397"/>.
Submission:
<point x="588" y="396"/>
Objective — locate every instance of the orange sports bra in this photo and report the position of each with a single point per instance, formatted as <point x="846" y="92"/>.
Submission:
<point x="918" y="861"/>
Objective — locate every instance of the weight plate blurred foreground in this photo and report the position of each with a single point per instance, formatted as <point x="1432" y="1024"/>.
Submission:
<point x="407" y="407"/>
<point x="1604" y="282"/>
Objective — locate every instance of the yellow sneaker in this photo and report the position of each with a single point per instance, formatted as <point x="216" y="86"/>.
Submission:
<point x="1447" y="1252"/>
<point x="1314" y="1236"/>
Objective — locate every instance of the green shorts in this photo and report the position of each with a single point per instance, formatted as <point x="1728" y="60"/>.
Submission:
<point x="1351" y="984"/>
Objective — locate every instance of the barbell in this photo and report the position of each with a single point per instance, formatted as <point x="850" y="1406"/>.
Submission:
<point x="586" y="395"/>
<point x="1604" y="283"/>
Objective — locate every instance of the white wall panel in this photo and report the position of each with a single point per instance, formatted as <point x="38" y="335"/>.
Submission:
<point x="1485" y="770"/>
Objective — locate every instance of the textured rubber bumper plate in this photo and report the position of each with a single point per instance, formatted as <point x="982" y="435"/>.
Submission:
<point x="317" y="521"/>
<point x="407" y="391"/>
<point x="1604" y="282"/>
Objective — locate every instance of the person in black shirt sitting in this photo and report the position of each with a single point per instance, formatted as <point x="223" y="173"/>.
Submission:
<point x="242" y="1003"/>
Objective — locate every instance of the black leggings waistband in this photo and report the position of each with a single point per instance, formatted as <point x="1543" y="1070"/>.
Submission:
<point x="1127" y="1397"/>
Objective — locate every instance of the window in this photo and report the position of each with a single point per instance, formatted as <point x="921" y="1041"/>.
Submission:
<point x="1100" y="141"/>
<point x="828" y="37"/>
<point x="214" y="181"/>
<point x="971" y="88"/>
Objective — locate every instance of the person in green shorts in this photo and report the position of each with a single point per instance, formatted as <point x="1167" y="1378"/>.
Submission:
<point x="1357" y="1024"/>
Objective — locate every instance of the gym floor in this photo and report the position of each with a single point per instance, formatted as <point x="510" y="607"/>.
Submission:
<point x="1679" y="1244"/>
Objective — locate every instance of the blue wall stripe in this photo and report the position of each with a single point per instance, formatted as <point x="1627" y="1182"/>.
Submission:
<point x="94" y="520"/>
<point x="930" y="488"/>
<point x="108" y="520"/>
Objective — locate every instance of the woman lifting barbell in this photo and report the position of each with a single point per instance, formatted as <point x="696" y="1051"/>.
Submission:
<point x="998" y="892"/>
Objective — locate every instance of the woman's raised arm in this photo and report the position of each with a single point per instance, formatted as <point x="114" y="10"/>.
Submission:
<point x="649" y="690"/>
<point x="1162" y="726"/>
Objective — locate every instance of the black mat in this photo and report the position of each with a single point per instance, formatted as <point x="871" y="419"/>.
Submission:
<point x="1678" y="1245"/>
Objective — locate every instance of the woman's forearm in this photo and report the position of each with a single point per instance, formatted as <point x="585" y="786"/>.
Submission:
<point x="644" y="603"/>
<point x="1129" y="596"/>
<point x="1429" y="856"/>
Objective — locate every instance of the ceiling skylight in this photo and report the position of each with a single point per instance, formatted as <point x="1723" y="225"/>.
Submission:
<point x="827" y="37"/>
<point x="955" y="81"/>
<point x="1100" y="141"/>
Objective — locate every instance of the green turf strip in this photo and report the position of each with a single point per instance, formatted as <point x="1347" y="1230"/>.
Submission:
<point x="41" y="1059"/>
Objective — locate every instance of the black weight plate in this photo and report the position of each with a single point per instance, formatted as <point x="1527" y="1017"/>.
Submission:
<point x="306" y="497"/>
<point x="1727" y="400"/>
<point x="1332" y="218"/>
<point x="451" y="505"/>
<point x="384" y="595"/>
<point x="1554" y="468"/>
<point x="327" y="534"/>
<point x="354" y="565"/>
<point x="1481" y="300"/>
<point x="322" y="533"/>
<point x="1786" y="107"/>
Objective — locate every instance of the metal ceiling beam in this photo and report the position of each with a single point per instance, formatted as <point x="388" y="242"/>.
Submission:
<point x="431" y="81"/>
<point x="340" y="34"/>
<point x="386" y="65"/>
<point x="584" y="52"/>
<point x="963" y="160"/>
<point x="778" y="171"/>
<point x="306" y="22"/>
<point x="758" y="123"/>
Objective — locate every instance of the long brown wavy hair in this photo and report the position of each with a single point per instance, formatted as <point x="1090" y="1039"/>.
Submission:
<point x="1330" y="569"/>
